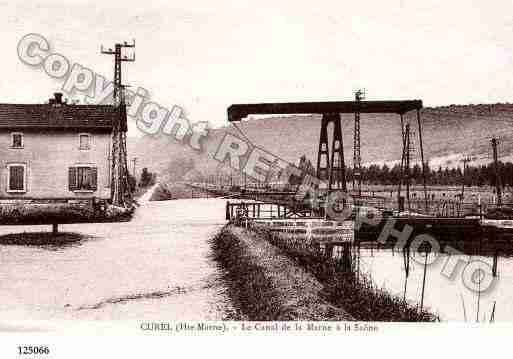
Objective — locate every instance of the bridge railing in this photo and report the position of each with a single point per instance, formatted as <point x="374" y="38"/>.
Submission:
<point x="266" y="210"/>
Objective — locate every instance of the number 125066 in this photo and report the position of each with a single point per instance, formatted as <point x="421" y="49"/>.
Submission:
<point x="33" y="350"/>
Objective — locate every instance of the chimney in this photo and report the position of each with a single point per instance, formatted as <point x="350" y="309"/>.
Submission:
<point x="58" y="97"/>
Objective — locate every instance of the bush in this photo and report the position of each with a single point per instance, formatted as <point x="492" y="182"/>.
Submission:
<point x="49" y="213"/>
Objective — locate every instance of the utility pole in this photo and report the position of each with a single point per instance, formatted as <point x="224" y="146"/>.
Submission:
<point x="465" y="161"/>
<point x="120" y="190"/>
<point x="405" y="168"/>
<point x="407" y="162"/>
<point x="357" y="158"/>
<point x="497" y="174"/>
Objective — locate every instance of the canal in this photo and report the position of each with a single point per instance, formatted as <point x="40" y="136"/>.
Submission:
<point x="448" y="297"/>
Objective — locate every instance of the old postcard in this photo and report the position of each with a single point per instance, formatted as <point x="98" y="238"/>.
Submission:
<point x="253" y="168"/>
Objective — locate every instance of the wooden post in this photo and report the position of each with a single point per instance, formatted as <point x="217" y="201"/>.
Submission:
<point x="55" y="228"/>
<point x="406" y="259"/>
<point x="423" y="282"/>
<point x="328" y="248"/>
<point x="494" y="265"/>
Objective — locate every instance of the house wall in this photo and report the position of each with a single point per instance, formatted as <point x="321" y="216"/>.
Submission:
<point x="48" y="156"/>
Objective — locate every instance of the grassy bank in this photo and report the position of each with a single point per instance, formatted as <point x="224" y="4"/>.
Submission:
<point x="355" y="293"/>
<point x="269" y="279"/>
<point x="266" y="285"/>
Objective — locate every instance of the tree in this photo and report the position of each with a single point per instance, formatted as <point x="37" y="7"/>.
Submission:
<point x="384" y="176"/>
<point x="132" y="183"/>
<point x="146" y="178"/>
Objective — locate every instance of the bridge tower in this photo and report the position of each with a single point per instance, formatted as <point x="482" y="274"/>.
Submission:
<point x="330" y="161"/>
<point x="120" y="189"/>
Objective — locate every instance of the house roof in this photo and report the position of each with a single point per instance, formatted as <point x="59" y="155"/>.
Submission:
<point x="57" y="116"/>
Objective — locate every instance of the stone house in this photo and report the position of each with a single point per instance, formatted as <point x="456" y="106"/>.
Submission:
<point x="55" y="150"/>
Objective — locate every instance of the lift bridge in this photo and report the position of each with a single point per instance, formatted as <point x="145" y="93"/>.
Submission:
<point x="423" y="213"/>
<point x="330" y="157"/>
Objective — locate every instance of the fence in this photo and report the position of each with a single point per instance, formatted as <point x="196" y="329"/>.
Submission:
<point x="308" y="231"/>
<point x="265" y="210"/>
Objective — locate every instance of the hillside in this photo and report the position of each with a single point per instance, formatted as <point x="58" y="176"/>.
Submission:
<point x="449" y="134"/>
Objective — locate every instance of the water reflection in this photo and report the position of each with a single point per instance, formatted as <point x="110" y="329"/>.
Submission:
<point x="448" y="297"/>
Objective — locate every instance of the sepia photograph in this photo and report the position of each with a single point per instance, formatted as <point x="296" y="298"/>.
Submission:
<point x="249" y="168"/>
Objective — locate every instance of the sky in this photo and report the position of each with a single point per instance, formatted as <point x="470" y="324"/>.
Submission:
<point x="206" y="55"/>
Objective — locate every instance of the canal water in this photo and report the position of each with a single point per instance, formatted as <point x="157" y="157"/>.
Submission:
<point x="157" y="266"/>
<point x="448" y="297"/>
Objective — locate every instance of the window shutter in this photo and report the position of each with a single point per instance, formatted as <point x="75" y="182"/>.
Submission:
<point x="16" y="178"/>
<point x="72" y="178"/>
<point x="94" y="178"/>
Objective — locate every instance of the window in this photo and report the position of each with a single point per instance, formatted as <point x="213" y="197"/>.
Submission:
<point x="84" y="141"/>
<point x="16" y="179"/>
<point x="83" y="178"/>
<point x="16" y="140"/>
